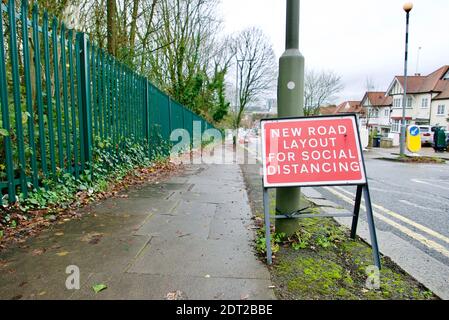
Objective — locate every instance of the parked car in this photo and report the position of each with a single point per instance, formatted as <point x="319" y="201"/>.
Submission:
<point x="426" y="135"/>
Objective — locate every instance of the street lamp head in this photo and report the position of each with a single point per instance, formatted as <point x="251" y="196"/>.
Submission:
<point x="408" y="7"/>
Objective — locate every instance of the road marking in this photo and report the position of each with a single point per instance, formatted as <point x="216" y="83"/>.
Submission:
<point x="438" y="198"/>
<point x="411" y="204"/>
<point x="404" y="219"/>
<point x="414" y="235"/>
<point x="430" y="184"/>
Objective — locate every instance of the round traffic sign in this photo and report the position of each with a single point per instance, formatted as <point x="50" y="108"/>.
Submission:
<point x="414" y="131"/>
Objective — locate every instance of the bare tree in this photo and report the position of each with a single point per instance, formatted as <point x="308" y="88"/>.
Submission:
<point x="111" y="12"/>
<point x="256" y="65"/>
<point x="320" y="88"/>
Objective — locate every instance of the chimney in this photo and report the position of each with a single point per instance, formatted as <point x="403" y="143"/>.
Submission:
<point x="417" y="74"/>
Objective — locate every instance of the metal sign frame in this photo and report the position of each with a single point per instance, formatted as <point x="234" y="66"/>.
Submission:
<point x="362" y="190"/>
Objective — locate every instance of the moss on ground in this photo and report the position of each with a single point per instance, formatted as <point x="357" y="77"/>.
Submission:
<point x="417" y="159"/>
<point x="321" y="262"/>
<point x="334" y="267"/>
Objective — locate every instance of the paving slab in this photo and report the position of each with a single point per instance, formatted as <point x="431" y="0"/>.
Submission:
<point x="199" y="258"/>
<point x="156" y="287"/>
<point x="191" y="233"/>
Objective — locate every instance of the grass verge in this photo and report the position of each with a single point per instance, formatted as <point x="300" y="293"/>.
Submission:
<point x="321" y="262"/>
<point x="418" y="159"/>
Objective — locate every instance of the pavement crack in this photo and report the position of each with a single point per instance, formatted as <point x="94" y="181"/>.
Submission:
<point x="139" y="254"/>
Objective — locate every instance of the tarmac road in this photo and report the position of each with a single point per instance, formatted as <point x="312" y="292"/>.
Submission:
<point x="414" y="195"/>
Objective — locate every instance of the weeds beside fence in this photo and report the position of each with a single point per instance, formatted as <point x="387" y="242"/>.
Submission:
<point x="62" y="97"/>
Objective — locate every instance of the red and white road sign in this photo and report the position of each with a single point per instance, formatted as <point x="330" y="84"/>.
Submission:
<point x="314" y="151"/>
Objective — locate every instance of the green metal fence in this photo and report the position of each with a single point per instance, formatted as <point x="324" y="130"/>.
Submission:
<point x="59" y="93"/>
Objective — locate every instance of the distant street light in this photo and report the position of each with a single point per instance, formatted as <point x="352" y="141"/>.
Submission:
<point x="407" y="8"/>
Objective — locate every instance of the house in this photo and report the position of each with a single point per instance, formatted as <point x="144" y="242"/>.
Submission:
<point x="356" y="107"/>
<point x="328" y="110"/>
<point x="378" y="107"/>
<point x="427" y="100"/>
<point x="350" y="107"/>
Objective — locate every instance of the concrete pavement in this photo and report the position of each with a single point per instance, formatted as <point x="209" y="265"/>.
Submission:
<point x="189" y="237"/>
<point x="394" y="152"/>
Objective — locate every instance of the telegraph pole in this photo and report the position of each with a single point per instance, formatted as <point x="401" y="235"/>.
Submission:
<point x="290" y="104"/>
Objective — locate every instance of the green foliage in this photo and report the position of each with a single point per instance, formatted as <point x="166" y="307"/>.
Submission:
<point x="4" y="132"/>
<point x="276" y="240"/>
<point x="99" y="287"/>
<point x="313" y="232"/>
<point x="221" y="106"/>
<point x="110" y="163"/>
<point x="160" y="148"/>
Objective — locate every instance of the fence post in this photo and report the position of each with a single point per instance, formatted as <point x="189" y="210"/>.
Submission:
<point x="5" y="128"/>
<point x="146" y="116"/>
<point x="169" y="118"/>
<point x="85" y="116"/>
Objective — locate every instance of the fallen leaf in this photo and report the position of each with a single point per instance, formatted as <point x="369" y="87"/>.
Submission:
<point x="62" y="254"/>
<point x="99" y="287"/>
<point x="92" y="238"/>
<point x="38" y="252"/>
<point x="42" y="293"/>
<point x="244" y="297"/>
<point x="175" y="295"/>
<point x="59" y="234"/>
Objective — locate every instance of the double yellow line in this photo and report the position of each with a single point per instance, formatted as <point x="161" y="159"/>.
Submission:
<point x="380" y="212"/>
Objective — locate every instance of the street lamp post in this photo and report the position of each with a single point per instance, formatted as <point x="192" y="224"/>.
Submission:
<point x="290" y="104"/>
<point x="407" y="8"/>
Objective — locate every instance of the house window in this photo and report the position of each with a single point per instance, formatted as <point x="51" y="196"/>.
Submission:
<point x="396" y="126"/>
<point x="425" y="103"/>
<point x="397" y="102"/>
<point x="441" y="110"/>
<point x="373" y="113"/>
<point x="409" y="102"/>
<point x="387" y="112"/>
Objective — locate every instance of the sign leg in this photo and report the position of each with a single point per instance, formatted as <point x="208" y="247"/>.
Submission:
<point x="266" y="206"/>
<point x="355" y="220"/>
<point x="372" y="228"/>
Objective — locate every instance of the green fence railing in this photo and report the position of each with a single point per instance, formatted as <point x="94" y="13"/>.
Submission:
<point x="59" y="93"/>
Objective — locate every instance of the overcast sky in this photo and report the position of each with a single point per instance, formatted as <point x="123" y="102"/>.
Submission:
<point x="355" y="38"/>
